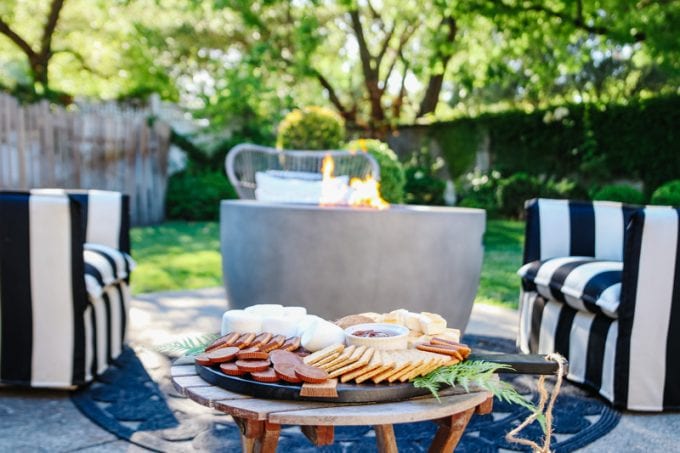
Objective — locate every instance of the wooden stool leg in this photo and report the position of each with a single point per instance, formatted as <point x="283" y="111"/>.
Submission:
<point x="450" y="431"/>
<point x="319" y="435"/>
<point x="269" y="440"/>
<point x="384" y="436"/>
<point x="486" y="407"/>
<point x="258" y="436"/>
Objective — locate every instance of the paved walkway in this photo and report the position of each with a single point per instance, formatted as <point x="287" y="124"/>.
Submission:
<point x="47" y="420"/>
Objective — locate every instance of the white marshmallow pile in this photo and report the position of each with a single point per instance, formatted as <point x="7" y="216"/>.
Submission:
<point x="315" y="333"/>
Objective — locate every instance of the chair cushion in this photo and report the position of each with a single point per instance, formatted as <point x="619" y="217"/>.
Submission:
<point x="583" y="283"/>
<point x="104" y="266"/>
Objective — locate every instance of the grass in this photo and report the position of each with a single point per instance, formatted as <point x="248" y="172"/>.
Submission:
<point x="186" y="255"/>
<point x="176" y="255"/>
<point x="503" y="244"/>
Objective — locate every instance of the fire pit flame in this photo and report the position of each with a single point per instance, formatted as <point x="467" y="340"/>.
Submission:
<point x="358" y="193"/>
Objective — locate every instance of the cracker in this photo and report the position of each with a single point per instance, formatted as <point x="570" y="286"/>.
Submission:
<point x="325" y="352"/>
<point x="363" y="360"/>
<point x="327" y="359"/>
<point x="353" y="358"/>
<point x="346" y="353"/>
<point x="386" y="362"/>
<point x="410" y="366"/>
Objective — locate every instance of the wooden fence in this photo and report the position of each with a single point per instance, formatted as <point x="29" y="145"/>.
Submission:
<point x="92" y="147"/>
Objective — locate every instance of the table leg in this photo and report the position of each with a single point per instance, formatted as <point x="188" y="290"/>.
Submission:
<point x="384" y="436"/>
<point x="258" y="436"/>
<point x="319" y="435"/>
<point x="486" y="407"/>
<point x="450" y="431"/>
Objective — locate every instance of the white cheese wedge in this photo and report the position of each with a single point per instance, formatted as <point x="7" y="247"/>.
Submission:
<point x="431" y="323"/>
<point x="412" y="321"/>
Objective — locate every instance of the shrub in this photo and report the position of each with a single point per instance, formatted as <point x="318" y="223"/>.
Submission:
<point x="621" y="193"/>
<point x="311" y="128"/>
<point x="392" y="177"/>
<point x="667" y="194"/>
<point x="564" y="188"/>
<point x="422" y="187"/>
<point x="422" y="184"/>
<point x="478" y="190"/>
<point x="196" y="195"/>
<point x="514" y="191"/>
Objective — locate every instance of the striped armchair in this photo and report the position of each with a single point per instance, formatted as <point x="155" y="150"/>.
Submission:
<point x="601" y="286"/>
<point x="64" y="275"/>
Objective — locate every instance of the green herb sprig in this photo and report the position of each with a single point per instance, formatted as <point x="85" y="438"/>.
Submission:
<point x="476" y="373"/>
<point x="189" y="345"/>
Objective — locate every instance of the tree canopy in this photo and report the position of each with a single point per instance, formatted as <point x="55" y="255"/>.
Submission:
<point x="377" y="62"/>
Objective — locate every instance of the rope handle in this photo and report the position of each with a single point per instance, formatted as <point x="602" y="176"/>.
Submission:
<point x="542" y="409"/>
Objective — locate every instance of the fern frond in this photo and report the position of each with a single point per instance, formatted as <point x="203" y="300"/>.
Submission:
<point x="480" y="374"/>
<point x="189" y="345"/>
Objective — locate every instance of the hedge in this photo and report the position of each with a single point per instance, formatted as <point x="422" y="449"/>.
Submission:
<point x="597" y="144"/>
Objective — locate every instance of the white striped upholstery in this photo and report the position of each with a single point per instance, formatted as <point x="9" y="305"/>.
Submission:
<point x="52" y="334"/>
<point x="629" y="360"/>
<point x="104" y="266"/>
<point x="583" y="283"/>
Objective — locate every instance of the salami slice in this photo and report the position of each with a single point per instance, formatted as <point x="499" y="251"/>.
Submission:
<point x="222" y="355"/>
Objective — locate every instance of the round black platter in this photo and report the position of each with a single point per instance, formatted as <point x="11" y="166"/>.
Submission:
<point x="347" y="393"/>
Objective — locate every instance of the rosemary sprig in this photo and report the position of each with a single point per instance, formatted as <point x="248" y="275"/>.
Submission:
<point x="188" y="345"/>
<point x="478" y="373"/>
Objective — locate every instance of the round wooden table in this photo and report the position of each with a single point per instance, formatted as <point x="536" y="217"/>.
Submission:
<point x="260" y="420"/>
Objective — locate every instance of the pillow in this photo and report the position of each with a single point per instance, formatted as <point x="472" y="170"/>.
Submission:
<point x="584" y="283"/>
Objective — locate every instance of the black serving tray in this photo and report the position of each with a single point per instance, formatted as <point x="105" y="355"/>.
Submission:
<point x="365" y="392"/>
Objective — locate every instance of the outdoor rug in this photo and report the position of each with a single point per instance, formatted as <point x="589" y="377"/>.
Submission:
<point x="138" y="403"/>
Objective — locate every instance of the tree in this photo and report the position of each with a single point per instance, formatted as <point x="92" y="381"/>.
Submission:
<point x="389" y="49"/>
<point x="381" y="63"/>
<point x="38" y="58"/>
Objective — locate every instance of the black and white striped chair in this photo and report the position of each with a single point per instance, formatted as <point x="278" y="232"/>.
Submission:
<point x="64" y="275"/>
<point x="601" y="286"/>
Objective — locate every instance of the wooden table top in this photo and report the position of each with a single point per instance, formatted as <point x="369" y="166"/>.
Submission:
<point x="308" y="413"/>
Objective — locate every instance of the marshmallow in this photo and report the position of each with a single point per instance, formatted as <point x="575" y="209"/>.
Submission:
<point x="296" y="313"/>
<point x="280" y="325"/>
<point x="265" y="309"/>
<point x="241" y="321"/>
<point x="321" y="334"/>
<point x="306" y="323"/>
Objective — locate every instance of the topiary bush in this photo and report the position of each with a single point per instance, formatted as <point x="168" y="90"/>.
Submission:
<point x="311" y="128"/>
<point x="514" y="191"/>
<point x="392" y="176"/>
<point x="196" y="195"/>
<point x="667" y="194"/>
<point x="621" y="193"/>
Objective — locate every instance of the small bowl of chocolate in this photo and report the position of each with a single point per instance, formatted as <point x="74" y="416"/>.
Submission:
<point x="378" y="336"/>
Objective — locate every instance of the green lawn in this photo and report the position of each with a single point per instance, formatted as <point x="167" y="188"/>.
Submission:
<point x="185" y="255"/>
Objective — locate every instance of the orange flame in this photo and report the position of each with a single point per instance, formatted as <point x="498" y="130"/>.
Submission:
<point x="366" y="193"/>
<point x="327" y="167"/>
<point x="359" y="193"/>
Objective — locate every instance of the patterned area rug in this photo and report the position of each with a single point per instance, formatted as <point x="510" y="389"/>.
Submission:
<point x="137" y="402"/>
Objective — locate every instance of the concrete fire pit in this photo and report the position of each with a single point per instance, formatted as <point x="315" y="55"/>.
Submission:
<point x="338" y="260"/>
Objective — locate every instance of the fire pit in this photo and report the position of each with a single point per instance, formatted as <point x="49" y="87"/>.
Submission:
<point x="337" y="260"/>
